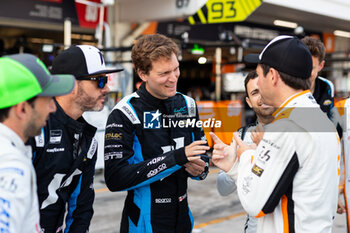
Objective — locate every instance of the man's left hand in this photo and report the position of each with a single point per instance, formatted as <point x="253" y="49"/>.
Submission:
<point x="195" y="167"/>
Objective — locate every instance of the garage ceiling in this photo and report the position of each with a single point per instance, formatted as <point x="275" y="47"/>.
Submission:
<point x="267" y="13"/>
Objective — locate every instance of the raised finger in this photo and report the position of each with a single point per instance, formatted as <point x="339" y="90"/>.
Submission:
<point x="238" y="140"/>
<point x="215" y="138"/>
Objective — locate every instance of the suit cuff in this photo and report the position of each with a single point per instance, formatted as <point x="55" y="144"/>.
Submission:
<point x="180" y="156"/>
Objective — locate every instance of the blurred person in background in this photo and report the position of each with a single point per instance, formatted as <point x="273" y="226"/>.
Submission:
<point x="322" y="89"/>
<point x="323" y="92"/>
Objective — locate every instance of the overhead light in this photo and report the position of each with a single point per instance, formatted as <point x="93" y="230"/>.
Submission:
<point x="202" y="60"/>
<point x="299" y="30"/>
<point x="197" y="50"/>
<point x="342" y="33"/>
<point x="286" y="24"/>
<point x="47" y="48"/>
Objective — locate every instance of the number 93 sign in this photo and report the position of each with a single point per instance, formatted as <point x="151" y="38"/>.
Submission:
<point x="224" y="11"/>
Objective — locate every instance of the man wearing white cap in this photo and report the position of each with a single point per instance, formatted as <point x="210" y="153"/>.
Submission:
<point x="65" y="153"/>
<point x="26" y="90"/>
<point x="290" y="180"/>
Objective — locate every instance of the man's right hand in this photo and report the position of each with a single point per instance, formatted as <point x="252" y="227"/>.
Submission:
<point x="195" y="167"/>
<point x="224" y="156"/>
<point x="196" y="148"/>
<point x="242" y="146"/>
<point x="257" y="134"/>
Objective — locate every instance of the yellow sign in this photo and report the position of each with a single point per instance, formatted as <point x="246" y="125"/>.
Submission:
<point x="224" y="11"/>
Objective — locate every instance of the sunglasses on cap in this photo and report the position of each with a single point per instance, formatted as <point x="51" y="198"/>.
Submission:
<point x="101" y="80"/>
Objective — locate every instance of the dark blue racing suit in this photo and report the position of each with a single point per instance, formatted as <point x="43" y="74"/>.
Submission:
<point x="324" y="95"/>
<point x="145" y="154"/>
<point x="64" y="157"/>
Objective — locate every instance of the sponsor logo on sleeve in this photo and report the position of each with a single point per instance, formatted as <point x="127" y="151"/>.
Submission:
<point x="8" y="183"/>
<point x="181" y="198"/>
<point x="257" y="170"/>
<point x="157" y="170"/>
<point x="113" y="155"/>
<point x="55" y="150"/>
<point x="180" y="111"/>
<point x="114" y="136"/>
<point x="271" y="143"/>
<point x="264" y="155"/>
<point x="162" y="200"/>
<point x="114" y="125"/>
<point x="155" y="160"/>
<point x="268" y="150"/>
<point x="327" y="102"/>
<point x="55" y="136"/>
<point x="131" y="116"/>
<point x="92" y="149"/>
<point x="114" y="146"/>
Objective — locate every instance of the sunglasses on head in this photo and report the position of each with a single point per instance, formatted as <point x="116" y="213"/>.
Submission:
<point x="101" y="80"/>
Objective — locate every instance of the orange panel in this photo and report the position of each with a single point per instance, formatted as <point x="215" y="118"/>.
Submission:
<point x="151" y="29"/>
<point x="229" y="68"/>
<point x="339" y="103"/>
<point x="206" y="111"/>
<point x="228" y="112"/>
<point x="329" y="42"/>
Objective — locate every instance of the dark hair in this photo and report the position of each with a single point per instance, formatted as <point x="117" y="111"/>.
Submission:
<point x="315" y="46"/>
<point x="4" y="112"/>
<point x="296" y="83"/>
<point x="31" y="101"/>
<point x="150" y="48"/>
<point x="251" y="75"/>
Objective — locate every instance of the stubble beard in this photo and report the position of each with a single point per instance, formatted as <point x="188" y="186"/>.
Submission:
<point x="86" y="102"/>
<point x="264" y="113"/>
<point x="32" y="129"/>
